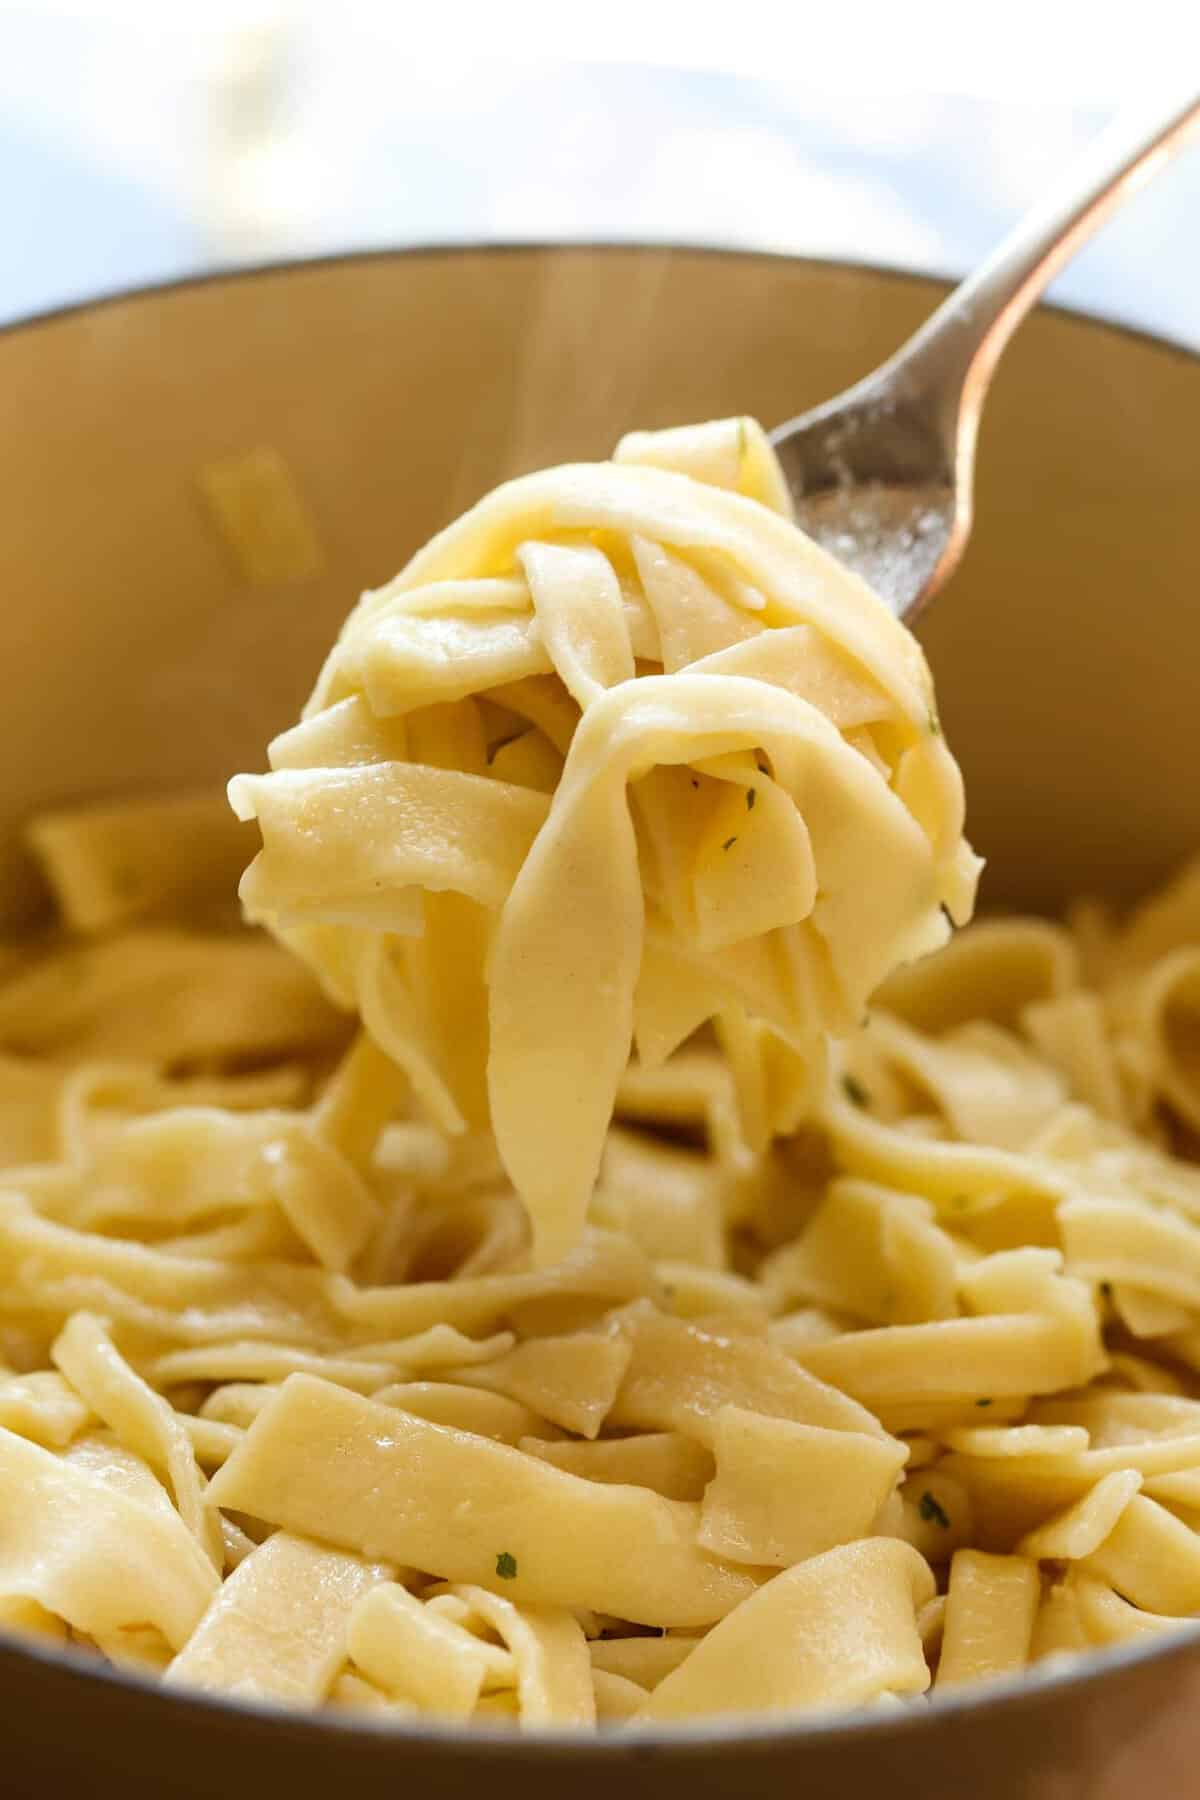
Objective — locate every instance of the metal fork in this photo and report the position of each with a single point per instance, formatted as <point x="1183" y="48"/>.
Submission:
<point x="882" y="475"/>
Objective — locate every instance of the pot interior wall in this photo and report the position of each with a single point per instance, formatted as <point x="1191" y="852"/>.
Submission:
<point x="399" y="387"/>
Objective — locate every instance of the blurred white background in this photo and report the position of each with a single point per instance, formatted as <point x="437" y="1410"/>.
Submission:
<point x="144" y="139"/>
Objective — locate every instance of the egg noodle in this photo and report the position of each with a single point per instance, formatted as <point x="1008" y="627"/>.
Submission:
<point x="537" y="1290"/>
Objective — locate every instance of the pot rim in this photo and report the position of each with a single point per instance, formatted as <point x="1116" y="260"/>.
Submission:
<point x="1035" y="1688"/>
<point x="291" y="265"/>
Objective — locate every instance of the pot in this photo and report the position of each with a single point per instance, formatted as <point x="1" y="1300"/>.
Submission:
<point x="138" y="656"/>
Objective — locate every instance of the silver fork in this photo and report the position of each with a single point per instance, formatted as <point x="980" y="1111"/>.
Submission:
<point x="882" y="475"/>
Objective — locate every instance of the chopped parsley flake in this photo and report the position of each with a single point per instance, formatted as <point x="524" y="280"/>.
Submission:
<point x="729" y="843"/>
<point x="506" y="1565"/>
<point x="751" y="797"/>
<point x="983" y="1403"/>
<point x="935" y="724"/>
<point x="854" y="1091"/>
<point x="932" y="1512"/>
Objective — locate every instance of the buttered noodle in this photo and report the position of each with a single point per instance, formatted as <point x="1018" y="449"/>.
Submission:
<point x="515" y="859"/>
<point x="846" y="1361"/>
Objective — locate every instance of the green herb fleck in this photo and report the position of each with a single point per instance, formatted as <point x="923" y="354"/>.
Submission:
<point x="983" y="1403"/>
<point x="932" y="1512"/>
<point x="506" y="1565"/>
<point x="751" y="797"/>
<point x="935" y="724"/>
<point x="729" y="843"/>
<point x="854" y="1091"/>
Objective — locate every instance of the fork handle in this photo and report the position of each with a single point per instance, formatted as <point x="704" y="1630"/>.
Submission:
<point x="951" y="359"/>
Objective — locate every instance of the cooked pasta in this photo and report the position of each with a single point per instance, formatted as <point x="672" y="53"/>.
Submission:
<point x="606" y="761"/>
<point x="812" y="1356"/>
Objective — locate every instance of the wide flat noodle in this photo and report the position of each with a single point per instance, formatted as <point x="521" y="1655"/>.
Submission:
<point x="166" y="996"/>
<point x="872" y="1253"/>
<point x="277" y="1629"/>
<point x="730" y="727"/>
<point x="572" y="1381"/>
<point x="991" y="1607"/>
<point x="1081" y="1529"/>
<point x="551" y="1666"/>
<point x="835" y="1631"/>
<point x="644" y="1660"/>
<point x="97" y="1557"/>
<point x="615" y="1698"/>
<point x="469" y="1409"/>
<point x="43" y="1407"/>
<point x="322" y="1461"/>
<point x="108" y="866"/>
<point x="784" y="1492"/>
<point x="680" y="1376"/>
<point x="673" y="1465"/>
<point x="142" y="1420"/>
<point x="415" y="1653"/>
<point x="1151" y="1558"/>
